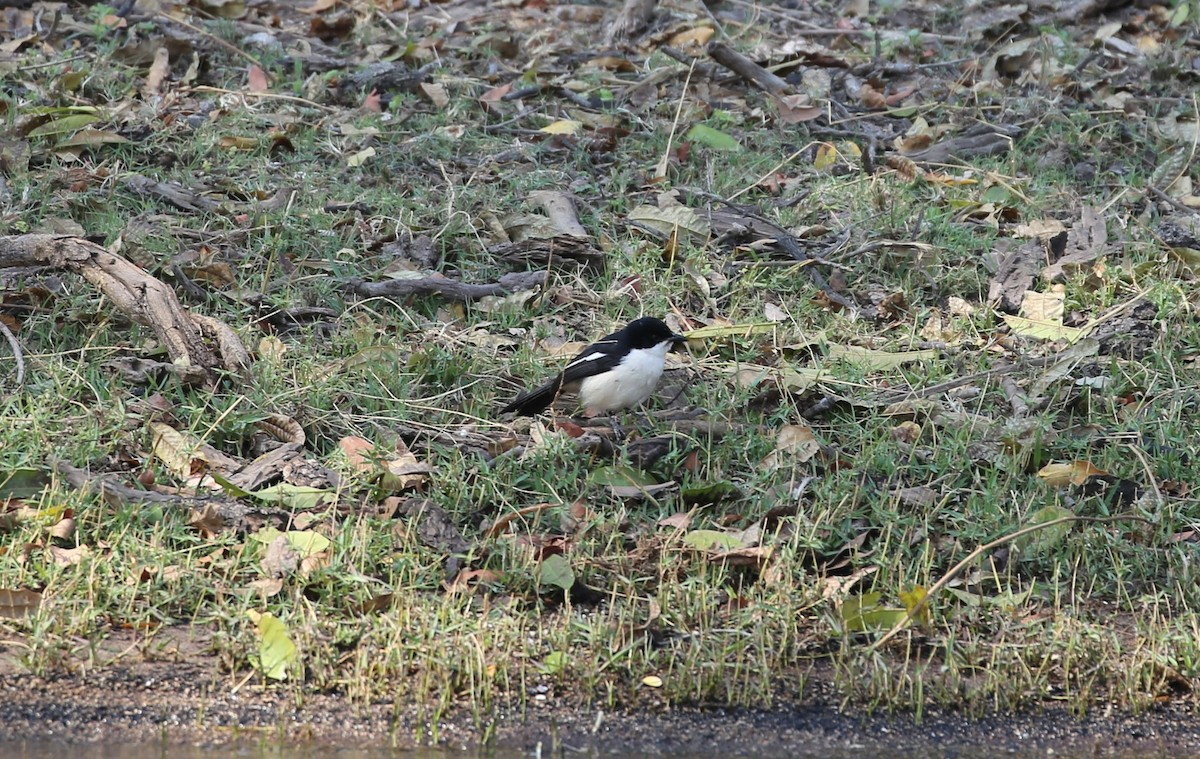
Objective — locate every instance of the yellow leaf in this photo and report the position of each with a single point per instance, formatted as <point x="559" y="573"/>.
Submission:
<point x="826" y="157"/>
<point x="276" y="651"/>
<point x="910" y="599"/>
<point x="235" y="142"/>
<point x="1043" y="307"/>
<point x="1071" y="472"/>
<point x="1045" y="330"/>
<point x="562" y="126"/>
<point x="359" y="158"/>
<point x="669" y="217"/>
<point x="697" y="37"/>
<point x="746" y="329"/>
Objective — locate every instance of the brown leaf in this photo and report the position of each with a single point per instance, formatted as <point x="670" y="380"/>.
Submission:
<point x="436" y="94"/>
<point x="794" y="109"/>
<point x="872" y="98"/>
<point x="256" y="79"/>
<point x="794" y="445"/>
<point x="468" y="579"/>
<point x="159" y="70"/>
<point x="310" y="564"/>
<point x="207" y="520"/>
<point x="680" y="520"/>
<point x="65" y="557"/>
<point x="266" y="586"/>
<point x="280" y="558"/>
<point x="404" y="471"/>
<point x="359" y="453"/>
<point x="64" y="529"/>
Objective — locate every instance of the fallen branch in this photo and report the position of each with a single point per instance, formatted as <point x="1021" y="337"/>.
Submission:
<point x="116" y="494"/>
<point x="143" y="298"/>
<point x="748" y="69"/>
<point x="450" y="288"/>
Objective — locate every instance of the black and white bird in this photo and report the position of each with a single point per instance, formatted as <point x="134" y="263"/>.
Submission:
<point x="616" y="372"/>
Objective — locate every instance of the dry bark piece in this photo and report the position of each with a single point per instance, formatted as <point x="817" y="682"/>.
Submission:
<point x="385" y="77"/>
<point x="449" y="288"/>
<point x="1087" y="241"/>
<point x="267" y="467"/>
<point x="229" y="511"/>
<point x="139" y="371"/>
<point x="561" y="210"/>
<point x="542" y="252"/>
<point x="432" y="526"/>
<point x="138" y="295"/>
<point x="172" y="192"/>
<point x="1015" y="275"/>
<point x="736" y="222"/>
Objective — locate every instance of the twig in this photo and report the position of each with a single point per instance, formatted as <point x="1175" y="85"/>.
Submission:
<point x="785" y="242"/>
<point x="261" y="95"/>
<point x="501" y="524"/>
<point x="960" y="566"/>
<point x="1168" y="199"/>
<point x="16" y="349"/>
<point x="143" y="298"/>
<point x="1016" y="398"/>
<point x="450" y="288"/>
<point x="231" y="48"/>
<point x="58" y="62"/>
<point x="942" y="387"/>
<point x="509" y="122"/>
<point x="748" y="69"/>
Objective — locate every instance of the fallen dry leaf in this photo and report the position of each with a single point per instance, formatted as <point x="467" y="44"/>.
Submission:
<point x="795" y="444"/>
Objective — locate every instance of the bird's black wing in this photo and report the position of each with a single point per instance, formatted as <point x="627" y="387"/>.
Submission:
<point x="592" y="360"/>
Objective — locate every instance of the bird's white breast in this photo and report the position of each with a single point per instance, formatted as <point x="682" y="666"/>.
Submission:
<point x="629" y="383"/>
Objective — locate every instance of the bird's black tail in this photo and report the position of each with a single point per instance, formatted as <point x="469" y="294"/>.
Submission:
<point x="534" y="402"/>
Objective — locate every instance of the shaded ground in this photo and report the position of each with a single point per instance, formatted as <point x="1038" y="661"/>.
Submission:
<point x="180" y="702"/>
<point x="147" y="704"/>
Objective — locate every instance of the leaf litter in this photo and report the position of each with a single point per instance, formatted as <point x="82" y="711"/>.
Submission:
<point x="408" y="226"/>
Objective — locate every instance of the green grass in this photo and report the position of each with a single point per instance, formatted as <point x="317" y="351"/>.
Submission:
<point x="1101" y="616"/>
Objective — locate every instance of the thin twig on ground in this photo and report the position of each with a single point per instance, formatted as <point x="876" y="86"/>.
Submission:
<point x="16" y="349"/>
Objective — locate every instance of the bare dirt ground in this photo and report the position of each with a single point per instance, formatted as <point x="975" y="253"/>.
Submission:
<point x="185" y="703"/>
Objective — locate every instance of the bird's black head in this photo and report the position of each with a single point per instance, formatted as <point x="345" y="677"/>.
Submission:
<point x="648" y="332"/>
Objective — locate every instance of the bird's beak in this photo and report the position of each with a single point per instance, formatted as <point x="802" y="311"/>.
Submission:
<point x="678" y="340"/>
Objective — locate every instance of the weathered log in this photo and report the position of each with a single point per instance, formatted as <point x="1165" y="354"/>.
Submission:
<point x="143" y="298"/>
